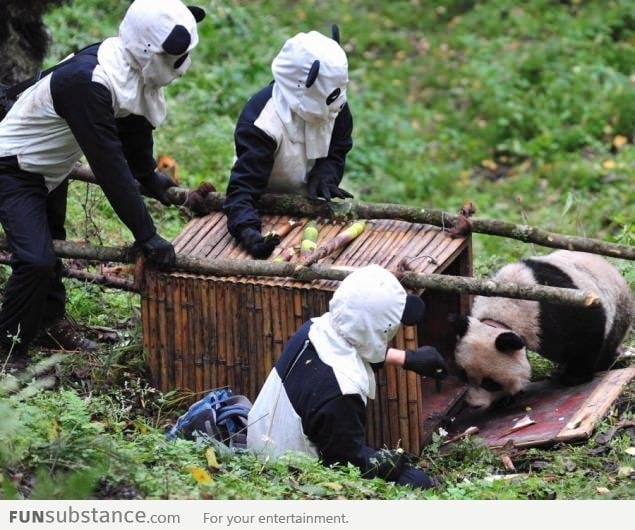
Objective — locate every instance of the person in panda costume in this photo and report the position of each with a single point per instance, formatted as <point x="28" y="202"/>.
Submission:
<point x="292" y="136"/>
<point x="492" y="341"/>
<point x="103" y="102"/>
<point x="314" y="400"/>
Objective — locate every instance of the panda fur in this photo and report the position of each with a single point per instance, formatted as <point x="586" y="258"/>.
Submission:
<point x="492" y="340"/>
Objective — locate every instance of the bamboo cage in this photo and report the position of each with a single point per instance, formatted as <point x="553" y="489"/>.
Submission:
<point x="203" y="332"/>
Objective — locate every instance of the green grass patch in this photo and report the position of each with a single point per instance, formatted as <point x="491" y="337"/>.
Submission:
<point x="513" y="107"/>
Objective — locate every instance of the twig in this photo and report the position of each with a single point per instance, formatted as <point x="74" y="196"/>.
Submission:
<point x="467" y="432"/>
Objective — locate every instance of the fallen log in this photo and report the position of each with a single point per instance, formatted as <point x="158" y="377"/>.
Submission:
<point x="412" y="280"/>
<point x="352" y="210"/>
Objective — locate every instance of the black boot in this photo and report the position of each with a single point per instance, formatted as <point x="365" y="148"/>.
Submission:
<point x="65" y="334"/>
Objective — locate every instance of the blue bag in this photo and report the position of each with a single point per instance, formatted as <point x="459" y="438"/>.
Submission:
<point x="220" y="415"/>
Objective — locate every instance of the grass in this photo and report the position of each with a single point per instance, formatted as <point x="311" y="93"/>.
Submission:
<point x="521" y="109"/>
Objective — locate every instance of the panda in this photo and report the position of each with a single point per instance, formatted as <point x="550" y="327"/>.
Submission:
<point x="492" y="341"/>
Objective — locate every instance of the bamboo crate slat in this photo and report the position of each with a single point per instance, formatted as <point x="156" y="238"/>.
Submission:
<point x="148" y="301"/>
<point x="209" y="332"/>
<point x="182" y="239"/>
<point x="213" y="336"/>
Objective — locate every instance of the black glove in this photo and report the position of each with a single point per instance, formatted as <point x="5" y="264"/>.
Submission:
<point x="326" y="186"/>
<point x="159" y="251"/>
<point x="259" y="247"/>
<point x="426" y="360"/>
<point x="417" y="478"/>
<point x="156" y="185"/>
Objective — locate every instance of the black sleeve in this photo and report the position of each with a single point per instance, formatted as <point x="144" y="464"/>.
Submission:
<point x="255" y="154"/>
<point x="341" y="144"/>
<point x="87" y="108"/>
<point x="339" y="429"/>
<point x="135" y="133"/>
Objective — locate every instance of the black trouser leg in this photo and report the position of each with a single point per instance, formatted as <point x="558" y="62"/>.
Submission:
<point x="34" y="288"/>
<point x="56" y="216"/>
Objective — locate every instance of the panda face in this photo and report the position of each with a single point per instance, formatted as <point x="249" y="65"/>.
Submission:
<point x="494" y="360"/>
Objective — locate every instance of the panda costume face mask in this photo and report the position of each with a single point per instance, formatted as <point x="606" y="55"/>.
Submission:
<point x="310" y="74"/>
<point x="152" y="50"/>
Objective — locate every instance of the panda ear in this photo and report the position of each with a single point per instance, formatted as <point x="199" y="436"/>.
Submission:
<point x="509" y="342"/>
<point x="313" y="73"/>
<point x="335" y="33"/>
<point x="458" y="323"/>
<point x="198" y="12"/>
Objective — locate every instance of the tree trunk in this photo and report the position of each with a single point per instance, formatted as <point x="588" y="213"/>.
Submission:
<point x="419" y="282"/>
<point x="23" y="38"/>
<point x="351" y="210"/>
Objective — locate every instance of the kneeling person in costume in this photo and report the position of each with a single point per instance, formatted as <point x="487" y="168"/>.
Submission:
<point x="104" y="103"/>
<point x="315" y="398"/>
<point x="292" y="136"/>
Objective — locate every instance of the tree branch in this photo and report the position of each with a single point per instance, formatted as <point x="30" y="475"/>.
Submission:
<point x="412" y="280"/>
<point x="106" y="280"/>
<point x="352" y="210"/>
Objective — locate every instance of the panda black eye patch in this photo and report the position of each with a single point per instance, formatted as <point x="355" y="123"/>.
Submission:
<point x="490" y="385"/>
<point x="180" y="60"/>
<point x="178" y="41"/>
<point x="333" y="96"/>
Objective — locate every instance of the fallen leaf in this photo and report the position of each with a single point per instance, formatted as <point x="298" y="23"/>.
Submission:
<point x="489" y="164"/>
<point x="602" y="490"/>
<point x="210" y="456"/>
<point x="630" y="451"/>
<point x="608" y="164"/>
<point x="333" y="485"/>
<point x="625" y="471"/>
<point x="200" y="475"/>
<point x="619" y="141"/>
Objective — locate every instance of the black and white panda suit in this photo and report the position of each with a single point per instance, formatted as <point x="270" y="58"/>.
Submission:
<point x="314" y="400"/>
<point x="292" y="136"/>
<point x="103" y="103"/>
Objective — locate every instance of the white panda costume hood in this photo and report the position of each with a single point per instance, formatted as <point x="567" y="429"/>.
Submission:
<point x="310" y="74"/>
<point x="364" y="314"/>
<point x="152" y="50"/>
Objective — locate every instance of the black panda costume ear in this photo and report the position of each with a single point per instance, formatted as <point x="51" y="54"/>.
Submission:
<point x="509" y="342"/>
<point x="198" y="12"/>
<point x="313" y="73"/>
<point x="335" y="33"/>
<point x="413" y="310"/>
<point x="459" y="323"/>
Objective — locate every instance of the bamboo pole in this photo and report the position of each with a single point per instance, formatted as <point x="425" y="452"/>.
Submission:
<point x="328" y="247"/>
<point x="302" y="207"/>
<point x="412" y="280"/>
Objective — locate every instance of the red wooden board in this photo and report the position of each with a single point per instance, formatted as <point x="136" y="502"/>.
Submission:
<point x="551" y="406"/>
